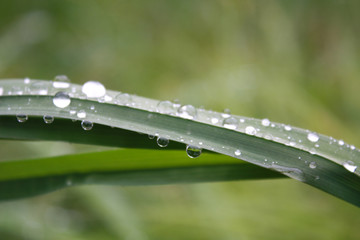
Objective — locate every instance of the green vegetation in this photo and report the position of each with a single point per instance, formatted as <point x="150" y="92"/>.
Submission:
<point x="295" y="63"/>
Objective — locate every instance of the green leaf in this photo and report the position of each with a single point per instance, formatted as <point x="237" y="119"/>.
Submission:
<point x="312" y="158"/>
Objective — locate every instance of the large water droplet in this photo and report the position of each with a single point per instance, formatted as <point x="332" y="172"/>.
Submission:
<point x="313" y="165"/>
<point x="313" y="137"/>
<point x="93" y="89"/>
<point x="166" y="107"/>
<point x="265" y="122"/>
<point x="48" y="119"/>
<point x="162" y="142"/>
<point x="86" y="125"/>
<point x="350" y="166"/>
<point x="61" y="100"/>
<point x="81" y="114"/>
<point x="187" y="112"/>
<point x="230" y="123"/>
<point x="250" y="130"/>
<point x="61" y="81"/>
<point x="237" y="152"/>
<point x="193" y="151"/>
<point x="21" y="118"/>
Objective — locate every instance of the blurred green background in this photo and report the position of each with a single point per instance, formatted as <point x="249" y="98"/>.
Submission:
<point x="296" y="62"/>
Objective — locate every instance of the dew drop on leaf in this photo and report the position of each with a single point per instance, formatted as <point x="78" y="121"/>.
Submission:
<point x="250" y="130"/>
<point x="187" y="112"/>
<point x="237" y="152"/>
<point x="166" y="107"/>
<point x="93" y="89"/>
<point x="61" y="81"/>
<point x="313" y="165"/>
<point x="193" y="151"/>
<point x="81" y="114"/>
<point x="86" y="125"/>
<point x="61" y="100"/>
<point x="350" y="166"/>
<point x="265" y="122"/>
<point x="162" y="142"/>
<point x="313" y="137"/>
<point x="21" y="118"/>
<point x="230" y="123"/>
<point x="48" y="119"/>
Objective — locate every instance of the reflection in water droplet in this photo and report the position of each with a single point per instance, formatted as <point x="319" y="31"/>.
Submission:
<point x="93" y="89"/>
<point x="187" y="112"/>
<point x="81" y="114"/>
<point x="86" y="125"/>
<point x="250" y="130"/>
<point x="48" y="119"/>
<point x="313" y="137"/>
<point x="265" y="122"/>
<point x="166" y="107"/>
<point x="61" y="81"/>
<point x="21" y="118"/>
<point x="350" y="166"/>
<point x="193" y="151"/>
<point x="162" y="142"/>
<point x="230" y="123"/>
<point x="61" y="100"/>
<point x="313" y="165"/>
<point x="237" y="152"/>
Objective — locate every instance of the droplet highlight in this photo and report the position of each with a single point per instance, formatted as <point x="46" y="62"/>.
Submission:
<point x="350" y="166"/>
<point x="93" y="89"/>
<point x="250" y="130"/>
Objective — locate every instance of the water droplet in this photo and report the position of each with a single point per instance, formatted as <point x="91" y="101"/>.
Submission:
<point x="350" y="166"/>
<point x="313" y="137"/>
<point x="250" y="130"/>
<point x="341" y="142"/>
<point x="226" y="113"/>
<point x="237" y="152"/>
<point x="151" y="136"/>
<point x="61" y="81"/>
<point x="61" y="100"/>
<point x="312" y="165"/>
<point x="48" y="119"/>
<point x="1" y="91"/>
<point x="287" y="128"/>
<point x="81" y="114"/>
<point x="39" y="88"/>
<point x="193" y="151"/>
<point x="166" y="107"/>
<point x="265" y="122"/>
<point x="352" y="147"/>
<point x="92" y="107"/>
<point x="21" y="118"/>
<point x="93" y="89"/>
<point x="86" y="125"/>
<point x="214" y="120"/>
<point x="123" y="99"/>
<point x="187" y="112"/>
<point x="15" y="90"/>
<point x="162" y="142"/>
<point x="230" y="123"/>
<point x="26" y="80"/>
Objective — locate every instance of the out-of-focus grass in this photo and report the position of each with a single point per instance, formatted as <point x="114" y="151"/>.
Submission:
<point x="292" y="62"/>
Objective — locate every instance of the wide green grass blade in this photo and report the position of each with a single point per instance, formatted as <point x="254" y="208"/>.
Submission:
<point x="126" y="167"/>
<point x="315" y="159"/>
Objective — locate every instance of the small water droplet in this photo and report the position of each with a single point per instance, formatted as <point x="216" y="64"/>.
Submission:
<point x="92" y="107"/>
<point x="265" y="122"/>
<point x="350" y="166"/>
<point x="123" y="99"/>
<point x="250" y="130"/>
<point x="230" y="123"/>
<point x="61" y="100"/>
<point x="151" y="136"/>
<point x="313" y="165"/>
<point x="27" y="80"/>
<point x="39" y="88"/>
<point x="352" y="147"/>
<point x="1" y="91"/>
<point x="287" y="128"/>
<point x="21" y="118"/>
<point x="341" y="142"/>
<point x="214" y="120"/>
<point x="237" y="152"/>
<point x="187" y="112"/>
<point x="162" y="142"/>
<point x="313" y="137"/>
<point x="193" y="151"/>
<point x="166" y="107"/>
<point x="61" y="81"/>
<point x="93" y="89"/>
<point x="81" y="114"/>
<point x="86" y="125"/>
<point x="48" y="119"/>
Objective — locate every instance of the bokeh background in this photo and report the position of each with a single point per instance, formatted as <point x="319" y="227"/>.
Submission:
<point x="295" y="62"/>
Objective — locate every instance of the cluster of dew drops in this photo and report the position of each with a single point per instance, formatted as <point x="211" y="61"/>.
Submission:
<point x="96" y="90"/>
